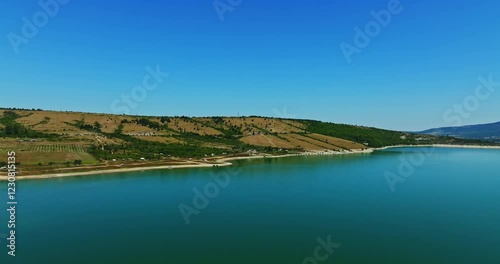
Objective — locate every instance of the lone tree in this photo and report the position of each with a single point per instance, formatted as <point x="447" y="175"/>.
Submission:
<point x="97" y="126"/>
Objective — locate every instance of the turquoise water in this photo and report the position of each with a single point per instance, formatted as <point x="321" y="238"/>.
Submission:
<point x="271" y="211"/>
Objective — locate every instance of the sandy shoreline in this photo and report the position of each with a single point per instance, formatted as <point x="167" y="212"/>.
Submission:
<point x="220" y="163"/>
<point x="226" y="161"/>
<point x="97" y="172"/>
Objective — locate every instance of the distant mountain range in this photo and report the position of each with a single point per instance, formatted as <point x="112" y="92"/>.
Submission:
<point x="489" y="132"/>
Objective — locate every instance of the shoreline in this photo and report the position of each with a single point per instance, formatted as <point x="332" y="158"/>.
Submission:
<point x="221" y="162"/>
<point x="225" y="161"/>
<point x="440" y="146"/>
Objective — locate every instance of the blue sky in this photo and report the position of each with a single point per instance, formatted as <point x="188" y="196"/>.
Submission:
<point x="269" y="58"/>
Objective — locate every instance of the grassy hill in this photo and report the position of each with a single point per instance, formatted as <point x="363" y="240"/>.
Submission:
<point x="54" y="140"/>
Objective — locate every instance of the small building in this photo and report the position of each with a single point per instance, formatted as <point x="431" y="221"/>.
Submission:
<point x="252" y="152"/>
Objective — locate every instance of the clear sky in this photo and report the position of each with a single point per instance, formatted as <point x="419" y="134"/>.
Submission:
<point x="269" y="58"/>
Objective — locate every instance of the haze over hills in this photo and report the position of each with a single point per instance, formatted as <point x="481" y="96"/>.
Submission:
<point x="490" y="132"/>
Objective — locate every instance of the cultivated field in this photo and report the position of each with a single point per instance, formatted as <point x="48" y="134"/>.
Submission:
<point x="29" y="153"/>
<point x="267" y="141"/>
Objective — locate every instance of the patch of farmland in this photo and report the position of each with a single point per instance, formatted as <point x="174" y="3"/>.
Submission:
<point x="162" y="139"/>
<point x="46" y="148"/>
<point x="338" y="141"/>
<point x="191" y="125"/>
<point x="315" y="142"/>
<point x="300" y="143"/>
<point x="34" y="158"/>
<point x="267" y="141"/>
<point x="263" y="123"/>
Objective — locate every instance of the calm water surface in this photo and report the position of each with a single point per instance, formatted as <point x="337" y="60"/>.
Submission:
<point x="447" y="210"/>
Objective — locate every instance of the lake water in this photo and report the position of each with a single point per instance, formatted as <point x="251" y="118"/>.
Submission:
<point x="329" y="209"/>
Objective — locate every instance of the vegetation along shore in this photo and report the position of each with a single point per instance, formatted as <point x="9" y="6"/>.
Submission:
<point x="56" y="144"/>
